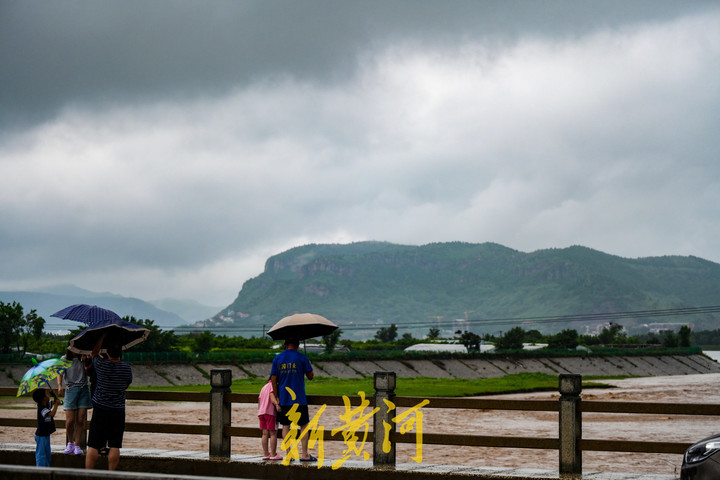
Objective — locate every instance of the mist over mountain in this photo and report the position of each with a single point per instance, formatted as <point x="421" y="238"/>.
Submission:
<point x="188" y="310"/>
<point x="484" y="287"/>
<point x="167" y="314"/>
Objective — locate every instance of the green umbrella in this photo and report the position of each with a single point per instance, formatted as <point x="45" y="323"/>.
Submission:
<point x="41" y="373"/>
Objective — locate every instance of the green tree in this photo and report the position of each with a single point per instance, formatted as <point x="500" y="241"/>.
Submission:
<point x="35" y="324"/>
<point x="512" y="340"/>
<point x="670" y="340"/>
<point x="406" y="340"/>
<point x="204" y="342"/>
<point x="433" y="333"/>
<point x="567" y="338"/>
<point x="11" y="316"/>
<point x="31" y="328"/>
<point x="613" y="334"/>
<point x="684" y="336"/>
<point x="470" y="340"/>
<point x="332" y="340"/>
<point x="534" y="336"/>
<point x="387" y="334"/>
<point x="17" y="328"/>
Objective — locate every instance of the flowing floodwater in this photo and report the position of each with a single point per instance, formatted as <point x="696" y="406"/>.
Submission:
<point x="714" y="354"/>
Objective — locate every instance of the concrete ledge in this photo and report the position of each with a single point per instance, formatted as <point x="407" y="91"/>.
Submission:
<point x="17" y="460"/>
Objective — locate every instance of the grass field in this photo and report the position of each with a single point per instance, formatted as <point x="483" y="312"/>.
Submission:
<point x="408" y="387"/>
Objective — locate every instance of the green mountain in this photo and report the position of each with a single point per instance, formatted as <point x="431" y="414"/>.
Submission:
<point x="363" y="286"/>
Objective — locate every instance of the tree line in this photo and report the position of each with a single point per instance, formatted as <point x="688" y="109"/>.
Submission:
<point x="17" y="328"/>
<point x="23" y="332"/>
<point x="516" y="337"/>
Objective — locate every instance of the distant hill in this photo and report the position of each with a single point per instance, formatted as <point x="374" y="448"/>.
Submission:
<point x="364" y="286"/>
<point x="50" y="300"/>
<point x="189" y="310"/>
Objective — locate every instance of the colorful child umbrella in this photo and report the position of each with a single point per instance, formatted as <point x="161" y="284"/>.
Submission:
<point x="41" y="374"/>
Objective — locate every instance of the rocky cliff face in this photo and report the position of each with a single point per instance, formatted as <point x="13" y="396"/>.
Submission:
<point x="363" y="285"/>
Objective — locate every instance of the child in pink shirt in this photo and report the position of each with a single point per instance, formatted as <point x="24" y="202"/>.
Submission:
<point x="268" y="404"/>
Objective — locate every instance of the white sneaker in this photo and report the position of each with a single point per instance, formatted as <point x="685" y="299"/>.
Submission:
<point x="70" y="448"/>
<point x="77" y="450"/>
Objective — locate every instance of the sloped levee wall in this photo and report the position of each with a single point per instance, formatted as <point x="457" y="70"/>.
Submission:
<point x="642" y="366"/>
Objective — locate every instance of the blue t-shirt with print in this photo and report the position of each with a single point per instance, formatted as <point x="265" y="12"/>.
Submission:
<point x="290" y="368"/>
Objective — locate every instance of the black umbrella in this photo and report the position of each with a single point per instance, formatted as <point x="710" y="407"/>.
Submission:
<point x="113" y="332"/>
<point x="302" y="326"/>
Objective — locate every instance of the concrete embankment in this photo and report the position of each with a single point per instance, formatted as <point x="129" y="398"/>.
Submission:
<point x="642" y="366"/>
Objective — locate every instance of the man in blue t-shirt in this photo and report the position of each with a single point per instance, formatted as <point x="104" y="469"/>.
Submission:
<point x="289" y="370"/>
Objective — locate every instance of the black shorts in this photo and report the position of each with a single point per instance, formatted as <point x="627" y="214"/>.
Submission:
<point x="107" y="427"/>
<point x="302" y="409"/>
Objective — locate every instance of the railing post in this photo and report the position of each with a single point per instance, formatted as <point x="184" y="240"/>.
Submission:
<point x="570" y="424"/>
<point x="383" y="427"/>
<point x="220" y="381"/>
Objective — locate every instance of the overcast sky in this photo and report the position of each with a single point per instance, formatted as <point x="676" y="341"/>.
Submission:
<point x="167" y="149"/>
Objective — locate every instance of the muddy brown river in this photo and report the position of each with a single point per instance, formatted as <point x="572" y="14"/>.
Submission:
<point x="676" y="389"/>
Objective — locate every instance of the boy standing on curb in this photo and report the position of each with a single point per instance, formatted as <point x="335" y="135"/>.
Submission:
<point x="45" y="426"/>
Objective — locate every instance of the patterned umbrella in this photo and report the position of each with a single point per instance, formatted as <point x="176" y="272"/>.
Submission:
<point x="41" y="373"/>
<point x="87" y="314"/>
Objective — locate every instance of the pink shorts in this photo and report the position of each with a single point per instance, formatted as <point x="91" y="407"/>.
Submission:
<point x="267" y="422"/>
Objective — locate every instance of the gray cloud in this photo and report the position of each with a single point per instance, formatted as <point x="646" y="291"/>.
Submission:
<point x="70" y="52"/>
<point x="159" y="151"/>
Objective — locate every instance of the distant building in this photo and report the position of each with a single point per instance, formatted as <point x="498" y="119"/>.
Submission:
<point x="667" y="327"/>
<point x="598" y="329"/>
<point x="437" y="347"/>
<point x="320" y="348"/>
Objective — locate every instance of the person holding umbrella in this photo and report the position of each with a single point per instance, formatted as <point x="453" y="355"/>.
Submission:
<point x="289" y="370"/>
<point x="108" y="421"/>
<point x="41" y="374"/>
<point x="45" y="425"/>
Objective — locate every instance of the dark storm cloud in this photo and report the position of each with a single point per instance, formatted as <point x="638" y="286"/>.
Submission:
<point x="56" y="54"/>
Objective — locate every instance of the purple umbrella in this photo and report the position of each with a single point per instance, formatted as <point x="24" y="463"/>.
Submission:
<point x="87" y="314"/>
